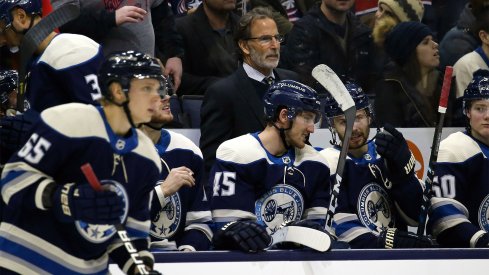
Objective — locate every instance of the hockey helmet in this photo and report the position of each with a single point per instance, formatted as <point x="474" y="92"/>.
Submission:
<point x="478" y="88"/>
<point x="294" y="96"/>
<point x="29" y="6"/>
<point x="332" y="109"/>
<point x="121" y="67"/>
<point x="9" y="80"/>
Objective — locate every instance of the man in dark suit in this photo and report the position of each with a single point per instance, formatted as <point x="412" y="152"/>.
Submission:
<point x="233" y="106"/>
<point x="210" y="51"/>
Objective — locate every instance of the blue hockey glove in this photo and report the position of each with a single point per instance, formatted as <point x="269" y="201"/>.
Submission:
<point x="393" y="238"/>
<point x="81" y="202"/>
<point x="241" y="235"/>
<point x="14" y="129"/>
<point x="393" y="147"/>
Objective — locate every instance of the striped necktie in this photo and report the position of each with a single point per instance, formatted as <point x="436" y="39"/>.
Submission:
<point x="268" y="80"/>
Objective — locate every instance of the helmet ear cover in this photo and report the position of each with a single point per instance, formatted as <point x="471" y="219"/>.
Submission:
<point x="32" y="7"/>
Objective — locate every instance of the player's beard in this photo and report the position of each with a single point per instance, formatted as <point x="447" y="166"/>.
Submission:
<point x="261" y="59"/>
<point x="359" y="138"/>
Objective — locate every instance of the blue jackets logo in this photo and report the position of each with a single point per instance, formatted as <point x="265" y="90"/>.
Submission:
<point x="375" y="207"/>
<point x="166" y="222"/>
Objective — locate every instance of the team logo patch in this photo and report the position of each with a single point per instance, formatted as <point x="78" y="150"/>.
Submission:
<point x="374" y="207"/>
<point x="483" y="216"/>
<point x="99" y="233"/>
<point x="166" y="222"/>
<point x="280" y="204"/>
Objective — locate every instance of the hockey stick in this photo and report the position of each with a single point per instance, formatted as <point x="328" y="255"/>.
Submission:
<point x="36" y="35"/>
<point x="329" y="80"/>
<point x="121" y="231"/>
<point x="309" y="237"/>
<point x="442" y="108"/>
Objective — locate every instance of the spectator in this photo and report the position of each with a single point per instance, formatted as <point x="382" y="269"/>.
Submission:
<point x="408" y="94"/>
<point x="148" y="27"/>
<point x="330" y="34"/>
<point x="208" y="39"/>
<point x="478" y="59"/>
<point x="232" y="106"/>
<point x="180" y="211"/>
<point x="461" y="39"/>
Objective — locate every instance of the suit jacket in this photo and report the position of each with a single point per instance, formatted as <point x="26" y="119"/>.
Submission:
<point x="232" y="108"/>
<point x="205" y="60"/>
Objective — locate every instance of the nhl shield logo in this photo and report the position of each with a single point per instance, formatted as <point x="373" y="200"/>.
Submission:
<point x="99" y="233"/>
<point x="280" y="204"/>
<point x="374" y="207"/>
<point x="166" y="222"/>
<point x="483" y="215"/>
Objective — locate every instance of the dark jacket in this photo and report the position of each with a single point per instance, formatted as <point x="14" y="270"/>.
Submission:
<point x="205" y="60"/>
<point x="400" y="104"/>
<point x="459" y="40"/>
<point x="232" y="108"/>
<point x="313" y="41"/>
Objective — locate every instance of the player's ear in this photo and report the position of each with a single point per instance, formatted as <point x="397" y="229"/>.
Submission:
<point x="115" y="90"/>
<point x="19" y="15"/>
<point x="282" y="116"/>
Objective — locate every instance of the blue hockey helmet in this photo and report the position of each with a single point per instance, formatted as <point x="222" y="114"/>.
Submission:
<point x="9" y="80"/>
<point x="121" y="67"/>
<point x="477" y="89"/>
<point x="294" y="96"/>
<point x="332" y="109"/>
<point x="29" y="6"/>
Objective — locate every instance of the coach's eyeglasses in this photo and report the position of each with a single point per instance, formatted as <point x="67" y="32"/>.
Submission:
<point x="267" y="39"/>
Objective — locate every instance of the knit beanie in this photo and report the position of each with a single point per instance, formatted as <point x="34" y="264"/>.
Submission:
<point x="403" y="39"/>
<point x="405" y="10"/>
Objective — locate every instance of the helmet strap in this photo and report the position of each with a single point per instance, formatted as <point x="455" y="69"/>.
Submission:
<point x="282" y="134"/>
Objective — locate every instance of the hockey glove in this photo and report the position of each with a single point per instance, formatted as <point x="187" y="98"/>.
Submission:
<point x="393" y="147"/>
<point x="14" y="129"/>
<point x="243" y="235"/>
<point x="393" y="238"/>
<point x="81" y="202"/>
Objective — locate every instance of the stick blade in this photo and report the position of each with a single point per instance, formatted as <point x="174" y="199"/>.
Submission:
<point x="309" y="237"/>
<point x="329" y="80"/>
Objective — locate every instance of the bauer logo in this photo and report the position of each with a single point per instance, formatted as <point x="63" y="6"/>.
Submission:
<point x="375" y="207"/>
<point x="483" y="216"/>
<point x="166" y="222"/>
<point x="419" y="166"/>
<point x="280" y="204"/>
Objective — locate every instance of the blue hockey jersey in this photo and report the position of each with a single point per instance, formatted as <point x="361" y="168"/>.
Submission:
<point x="183" y="217"/>
<point x="461" y="208"/>
<point x="369" y="201"/>
<point x="65" y="72"/>
<point x="251" y="184"/>
<point x="32" y="240"/>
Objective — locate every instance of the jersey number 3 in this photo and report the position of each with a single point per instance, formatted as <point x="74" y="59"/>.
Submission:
<point x="35" y="148"/>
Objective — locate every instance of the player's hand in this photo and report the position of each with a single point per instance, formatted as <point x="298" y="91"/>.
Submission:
<point x="81" y="202"/>
<point x="174" y="69"/>
<point x="129" y="14"/>
<point x="393" y="238"/>
<point x="393" y="147"/>
<point x="14" y="130"/>
<point x="242" y="235"/>
<point x="178" y="177"/>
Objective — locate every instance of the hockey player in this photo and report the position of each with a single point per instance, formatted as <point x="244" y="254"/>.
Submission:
<point x="64" y="68"/>
<point x="459" y="214"/>
<point x="379" y="192"/>
<point x="52" y="220"/>
<point x="180" y="210"/>
<point x="9" y="80"/>
<point x="263" y="179"/>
